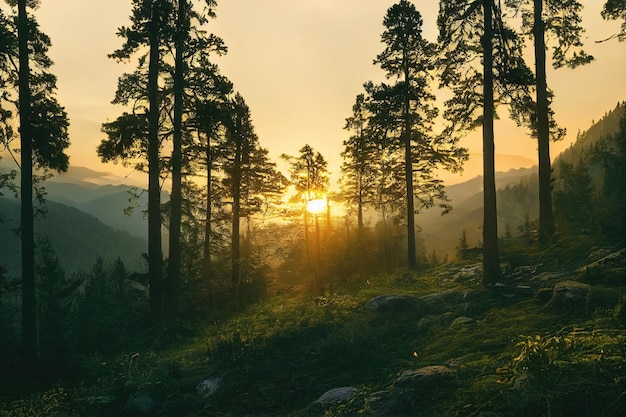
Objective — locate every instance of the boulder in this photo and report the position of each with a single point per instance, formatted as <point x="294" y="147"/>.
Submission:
<point x="460" y="301"/>
<point x="411" y="391"/>
<point x="394" y="303"/>
<point x="209" y="386"/>
<point x="569" y="295"/>
<point x="336" y="395"/>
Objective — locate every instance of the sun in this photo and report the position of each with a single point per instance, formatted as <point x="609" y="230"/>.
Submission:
<point x="317" y="206"/>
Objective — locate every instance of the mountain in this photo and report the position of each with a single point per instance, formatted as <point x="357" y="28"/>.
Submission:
<point x="587" y="140"/>
<point x="517" y="202"/>
<point x="77" y="238"/>
<point x="517" y="196"/>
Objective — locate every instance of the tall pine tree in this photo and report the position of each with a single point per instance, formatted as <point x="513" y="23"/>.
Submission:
<point x="561" y="19"/>
<point x="470" y="32"/>
<point x="30" y="89"/>
<point x="408" y="58"/>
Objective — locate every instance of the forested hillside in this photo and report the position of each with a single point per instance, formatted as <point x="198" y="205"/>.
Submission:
<point x="517" y="194"/>
<point x="76" y="237"/>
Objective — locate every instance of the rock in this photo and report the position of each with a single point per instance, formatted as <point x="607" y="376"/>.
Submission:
<point x="393" y="303"/>
<point x="336" y="395"/>
<point x="468" y="273"/>
<point x="388" y="403"/>
<point x="144" y="405"/>
<point x="613" y="258"/>
<point x="425" y="379"/>
<point x="411" y="391"/>
<point x="569" y="295"/>
<point x="460" y="301"/>
<point x="462" y="321"/>
<point x="209" y="386"/>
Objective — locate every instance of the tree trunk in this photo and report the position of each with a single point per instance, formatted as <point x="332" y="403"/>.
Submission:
<point x="546" y="218"/>
<point x="408" y="171"/>
<point x="173" y="271"/>
<point x="206" y="267"/>
<point x="155" y="255"/>
<point x="236" y="253"/>
<point x="491" y="256"/>
<point x="29" y="303"/>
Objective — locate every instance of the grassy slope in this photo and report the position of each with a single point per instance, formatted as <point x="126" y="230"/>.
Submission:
<point x="278" y="356"/>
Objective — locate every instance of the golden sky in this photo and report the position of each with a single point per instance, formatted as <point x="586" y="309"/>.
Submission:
<point x="299" y="64"/>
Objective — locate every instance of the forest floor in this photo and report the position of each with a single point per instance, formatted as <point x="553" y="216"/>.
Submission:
<point x="549" y="340"/>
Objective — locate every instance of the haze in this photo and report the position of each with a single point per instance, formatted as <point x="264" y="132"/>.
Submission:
<point x="299" y="66"/>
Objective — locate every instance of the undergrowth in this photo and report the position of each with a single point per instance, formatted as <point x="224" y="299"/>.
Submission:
<point x="275" y="358"/>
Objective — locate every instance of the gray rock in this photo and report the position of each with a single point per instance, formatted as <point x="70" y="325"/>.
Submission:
<point x="209" y="386"/>
<point x="468" y="273"/>
<point x="410" y="391"/>
<point x="394" y="303"/>
<point x="336" y="395"/>
<point x="460" y="301"/>
<point x="569" y="295"/>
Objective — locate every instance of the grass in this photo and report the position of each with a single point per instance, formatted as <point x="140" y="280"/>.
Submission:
<point x="278" y="356"/>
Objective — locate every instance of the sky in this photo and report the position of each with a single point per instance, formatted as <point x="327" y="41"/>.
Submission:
<point x="299" y="64"/>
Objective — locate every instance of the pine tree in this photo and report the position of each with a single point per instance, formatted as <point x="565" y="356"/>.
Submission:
<point x="251" y="177"/>
<point x="309" y="177"/>
<point x="408" y="58"/>
<point x="469" y="32"/>
<point x="357" y="169"/>
<point x="560" y="18"/>
<point x="177" y="79"/>
<point x="613" y="10"/>
<point x="43" y="131"/>
<point x="135" y="135"/>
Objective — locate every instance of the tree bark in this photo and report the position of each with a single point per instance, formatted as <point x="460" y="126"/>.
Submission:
<point x="155" y="254"/>
<point x="174" y="265"/>
<point x="546" y="218"/>
<point x="236" y="252"/>
<point x="29" y="301"/>
<point x="491" y="256"/>
<point x="207" y="223"/>
<point x="408" y="171"/>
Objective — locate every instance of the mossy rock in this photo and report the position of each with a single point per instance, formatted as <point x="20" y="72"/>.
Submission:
<point x="394" y="303"/>
<point x="571" y="296"/>
<point x="411" y="391"/>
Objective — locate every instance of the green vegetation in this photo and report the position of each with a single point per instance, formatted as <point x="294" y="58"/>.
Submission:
<point x="517" y="355"/>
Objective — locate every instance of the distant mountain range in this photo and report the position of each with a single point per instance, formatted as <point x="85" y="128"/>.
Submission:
<point x="76" y="237"/>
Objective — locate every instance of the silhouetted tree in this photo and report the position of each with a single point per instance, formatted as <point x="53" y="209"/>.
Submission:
<point x="43" y="129"/>
<point x="309" y="177"/>
<point x="463" y="246"/>
<point x="357" y="169"/>
<point x="574" y="197"/>
<point x="250" y="175"/>
<point x="613" y="153"/>
<point x="172" y="283"/>
<point x="136" y="134"/>
<point x="470" y="32"/>
<point x="408" y="58"/>
<point x="192" y="48"/>
<point x="55" y="294"/>
<point x="613" y="10"/>
<point x="560" y="18"/>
